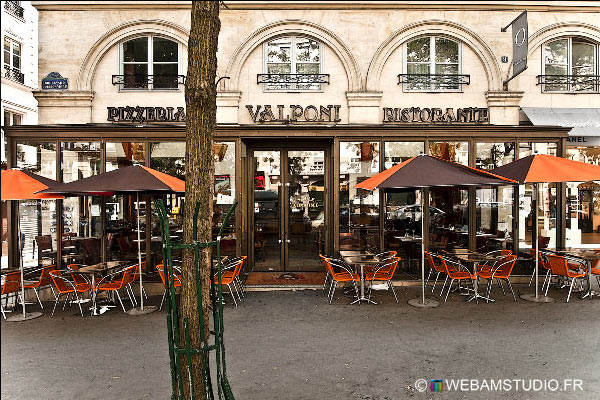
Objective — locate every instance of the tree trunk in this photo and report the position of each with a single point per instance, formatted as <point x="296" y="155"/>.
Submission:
<point x="200" y="101"/>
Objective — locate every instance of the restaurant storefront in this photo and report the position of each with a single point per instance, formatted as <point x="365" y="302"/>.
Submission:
<point x="315" y="102"/>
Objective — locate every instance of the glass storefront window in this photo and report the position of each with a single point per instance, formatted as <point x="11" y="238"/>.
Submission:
<point x="457" y="152"/>
<point x="359" y="209"/>
<point x="224" y="194"/>
<point x="121" y="210"/>
<point x="494" y="221"/>
<point x="402" y="207"/>
<point x="37" y="218"/>
<point x="547" y="210"/>
<point x="82" y="221"/>
<point x="583" y="203"/>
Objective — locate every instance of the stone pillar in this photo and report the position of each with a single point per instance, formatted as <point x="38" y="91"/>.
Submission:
<point x="503" y="107"/>
<point x="68" y="107"/>
<point x="228" y="105"/>
<point x="363" y="107"/>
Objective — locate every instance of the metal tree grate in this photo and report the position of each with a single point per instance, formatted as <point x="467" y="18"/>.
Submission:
<point x="176" y="352"/>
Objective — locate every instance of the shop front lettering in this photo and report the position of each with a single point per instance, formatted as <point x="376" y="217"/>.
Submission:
<point x="294" y="113"/>
<point x="146" y="114"/>
<point x="417" y="115"/>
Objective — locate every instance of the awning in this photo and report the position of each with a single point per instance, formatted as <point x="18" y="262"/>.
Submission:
<point x="584" y="121"/>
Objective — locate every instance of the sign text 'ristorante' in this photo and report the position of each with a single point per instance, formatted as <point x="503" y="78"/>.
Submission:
<point x="417" y="115"/>
<point x="294" y="113"/>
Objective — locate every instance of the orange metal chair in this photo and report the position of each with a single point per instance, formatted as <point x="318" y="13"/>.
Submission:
<point x="455" y="274"/>
<point x="596" y="271"/>
<point x="229" y="267"/>
<point x="176" y="280"/>
<point x="66" y="287"/>
<point x="438" y="268"/>
<point x="107" y="285"/>
<point x="384" y="273"/>
<point x="11" y="285"/>
<point x="384" y="258"/>
<point x="345" y="275"/>
<point x="501" y="270"/>
<point x="43" y="281"/>
<point x="488" y="266"/>
<point x="560" y="267"/>
<point x="544" y="264"/>
<point x="77" y="278"/>
<point x="228" y="279"/>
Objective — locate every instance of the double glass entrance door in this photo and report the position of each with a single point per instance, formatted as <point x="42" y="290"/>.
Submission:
<point x="289" y="209"/>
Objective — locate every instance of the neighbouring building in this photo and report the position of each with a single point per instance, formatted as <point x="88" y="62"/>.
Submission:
<point x="314" y="97"/>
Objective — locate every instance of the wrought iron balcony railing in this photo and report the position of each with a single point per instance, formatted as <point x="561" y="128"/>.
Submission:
<point x="14" y="8"/>
<point x="148" y="81"/>
<point x="292" y="81"/>
<point x="428" y="82"/>
<point x="14" y="74"/>
<point x="569" y="83"/>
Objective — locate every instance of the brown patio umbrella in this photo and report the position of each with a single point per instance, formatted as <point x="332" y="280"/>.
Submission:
<point x="425" y="171"/>
<point x="539" y="168"/>
<point x="127" y="180"/>
<point x="24" y="185"/>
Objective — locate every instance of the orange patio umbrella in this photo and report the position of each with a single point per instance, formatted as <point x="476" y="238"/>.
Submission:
<point x="23" y="185"/>
<point x="538" y="168"/>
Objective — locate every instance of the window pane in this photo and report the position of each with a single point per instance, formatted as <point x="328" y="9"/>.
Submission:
<point x="417" y="68"/>
<point x="279" y="68"/>
<point x="164" y="50"/>
<point x="16" y="49"/>
<point x="555" y="52"/>
<point x="16" y="62"/>
<point x="582" y="63"/>
<point x="165" y="76"/>
<point x="397" y="152"/>
<point x="556" y="83"/>
<point x="307" y="50"/>
<point x="457" y="152"/>
<point x="446" y="69"/>
<point x="418" y="50"/>
<point x="359" y="209"/>
<point x="307" y="68"/>
<point x="136" y="76"/>
<point x="418" y="82"/>
<point x="136" y="50"/>
<point x="279" y="51"/>
<point x="446" y="51"/>
<point x="448" y="83"/>
<point x="17" y="119"/>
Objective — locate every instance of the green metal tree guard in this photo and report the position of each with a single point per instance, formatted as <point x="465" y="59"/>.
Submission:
<point x="176" y="352"/>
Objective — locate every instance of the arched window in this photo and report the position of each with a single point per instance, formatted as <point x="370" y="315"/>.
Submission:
<point x="432" y="63"/>
<point x="292" y="63"/>
<point x="570" y="64"/>
<point x="151" y="63"/>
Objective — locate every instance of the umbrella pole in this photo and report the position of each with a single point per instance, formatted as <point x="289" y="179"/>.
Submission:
<point x="422" y="302"/>
<point x="25" y="316"/>
<point x="534" y="237"/>
<point x="140" y="310"/>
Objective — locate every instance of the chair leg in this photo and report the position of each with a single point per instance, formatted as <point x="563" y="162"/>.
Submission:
<point x="232" y="295"/>
<point x="511" y="289"/>
<point x="435" y="283"/>
<point x="240" y="285"/>
<point x="38" y="297"/>
<point x="448" y="292"/>
<point x="332" y="290"/>
<point x="120" y="301"/>
<point x="570" y="289"/>
<point x="2" y="309"/>
<point x="78" y="303"/>
<point x="501" y="286"/>
<point x="443" y="286"/>
<point x="237" y="291"/>
<point x="532" y="275"/>
<point x="391" y="285"/>
<point x="162" y="300"/>
<point x="325" y="282"/>
<point x="489" y="290"/>
<point x="428" y="276"/>
<point x="67" y="299"/>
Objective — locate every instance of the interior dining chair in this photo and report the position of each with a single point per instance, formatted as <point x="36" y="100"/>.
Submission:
<point x="501" y="270"/>
<point x="10" y="286"/>
<point x="560" y="267"/>
<point x="160" y="268"/>
<point x="384" y="273"/>
<point x="68" y="288"/>
<point x="345" y="275"/>
<point x="43" y="281"/>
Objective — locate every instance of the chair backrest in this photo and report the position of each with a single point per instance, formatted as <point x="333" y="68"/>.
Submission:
<point x="431" y="262"/>
<point x="328" y="266"/>
<point x="43" y="242"/>
<point x="77" y="278"/>
<point x="542" y="260"/>
<point x="444" y="265"/>
<point x="387" y="270"/>
<point x="128" y="275"/>
<point x="45" y="279"/>
<point x="161" y="272"/>
<point x="12" y="282"/>
<point x="558" y="265"/>
<point x="62" y="284"/>
<point x="506" y="265"/>
<point x="124" y="246"/>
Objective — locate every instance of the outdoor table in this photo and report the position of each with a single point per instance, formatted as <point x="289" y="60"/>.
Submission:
<point x="361" y="260"/>
<point x="587" y="255"/>
<point x="92" y="270"/>
<point x="473" y="258"/>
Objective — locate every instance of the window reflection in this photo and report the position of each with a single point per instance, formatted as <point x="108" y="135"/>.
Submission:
<point x="224" y="194"/>
<point x="359" y="209"/>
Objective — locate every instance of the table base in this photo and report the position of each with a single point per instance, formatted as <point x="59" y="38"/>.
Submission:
<point x="538" y="299"/>
<point x="27" y="317"/>
<point x="477" y="296"/>
<point x="418" y="302"/>
<point x="591" y="294"/>
<point x="364" y="299"/>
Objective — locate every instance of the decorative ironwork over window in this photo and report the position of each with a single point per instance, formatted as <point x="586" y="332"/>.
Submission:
<point x="144" y="81"/>
<point x="297" y="79"/>
<point x="571" y="83"/>
<point x="14" y="74"/>
<point x="426" y="81"/>
<point x="14" y="8"/>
